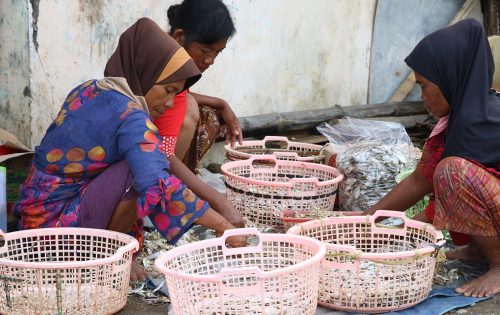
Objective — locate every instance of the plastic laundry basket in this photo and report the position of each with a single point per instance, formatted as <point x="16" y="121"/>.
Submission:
<point x="263" y="186"/>
<point x="370" y="268"/>
<point x="64" y="271"/>
<point x="283" y="149"/>
<point x="279" y="275"/>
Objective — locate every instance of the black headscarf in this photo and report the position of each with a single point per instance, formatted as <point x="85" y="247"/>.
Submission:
<point x="458" y="59"/>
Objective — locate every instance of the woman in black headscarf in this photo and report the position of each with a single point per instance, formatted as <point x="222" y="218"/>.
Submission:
<point x="460" y="161"/>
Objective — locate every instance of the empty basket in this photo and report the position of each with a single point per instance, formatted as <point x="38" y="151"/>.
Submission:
<point x="371" y="268"/>
<point x="263" y="186"/>
<point x="281" y="147"/>
<point x="64" y="271"/>
<point x="278" y="275"/>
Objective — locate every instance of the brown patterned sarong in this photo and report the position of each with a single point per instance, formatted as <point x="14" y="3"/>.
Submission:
<point x="467" y="198"/>
<point x="206" y="133"/>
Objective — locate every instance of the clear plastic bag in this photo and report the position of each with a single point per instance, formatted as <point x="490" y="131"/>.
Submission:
<point x="370" y="154"/>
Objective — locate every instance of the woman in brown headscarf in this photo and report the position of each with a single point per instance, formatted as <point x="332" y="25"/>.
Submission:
<point x="99" y="164"/>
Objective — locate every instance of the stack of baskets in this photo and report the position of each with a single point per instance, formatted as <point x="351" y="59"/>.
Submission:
<point x="371" y="268"/>
<point x="64" y="271"/>
<point x="281" y="147"/>
<point x="262" y="187"/>
<point x="348" y="263"/>
<point x="367" y="268"/>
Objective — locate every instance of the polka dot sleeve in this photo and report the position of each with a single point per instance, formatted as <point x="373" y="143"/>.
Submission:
<point x="170" y="205"/>
<point x="168" y="145"/>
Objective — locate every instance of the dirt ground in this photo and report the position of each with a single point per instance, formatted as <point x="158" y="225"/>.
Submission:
<point x="135" y="306"/>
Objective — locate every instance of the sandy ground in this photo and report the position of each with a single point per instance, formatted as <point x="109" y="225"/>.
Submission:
<point x="136" y="306"/>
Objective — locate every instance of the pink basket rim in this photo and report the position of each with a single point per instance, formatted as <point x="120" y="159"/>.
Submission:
<point x="370" y="310"/>
<point x="225" y="169"/>
<point x="220" y="241"/>
<point x="297" y="229"/>
<point x="281" y="154"/>
<point x="262" y="143"/>
<point x="132" y="245"/>
<point x="286" y="219"/>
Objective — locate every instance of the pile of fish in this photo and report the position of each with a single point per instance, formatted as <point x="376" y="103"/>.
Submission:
<point x="383" y="286"/>
<point x="378" y="283"/>
<point x="152" y="290"/>
<point x="454" y="272"/>
<point x="370" y="169"/>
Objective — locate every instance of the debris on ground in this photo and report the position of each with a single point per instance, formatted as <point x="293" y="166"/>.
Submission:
<point x="150" y="290"/>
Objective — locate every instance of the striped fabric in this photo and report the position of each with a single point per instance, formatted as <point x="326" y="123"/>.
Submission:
<point x="467" y="198"/>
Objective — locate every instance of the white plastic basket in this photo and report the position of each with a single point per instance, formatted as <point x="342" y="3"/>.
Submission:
<point x="288" y="150"/>
<point x="64" y="271"/>
<point x="278" y="275"/>
<point x="371" y="268"/>
<point x="261" y="187"/>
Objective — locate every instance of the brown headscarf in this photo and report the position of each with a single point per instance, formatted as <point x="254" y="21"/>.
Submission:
<point x="146" y="56"/>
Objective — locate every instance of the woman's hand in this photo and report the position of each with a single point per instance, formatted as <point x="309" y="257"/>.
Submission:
<point x="231" y="128"/>
<point x="232" y="241"/>
<point x="237" y="241"/>
<point x="213" y="220"/>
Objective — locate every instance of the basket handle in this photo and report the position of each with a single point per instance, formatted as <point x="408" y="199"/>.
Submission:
<point x="264" y="157"/>
<point x="241" y="250"/>
<point x="286" y="154"/>
<point x="390" y="214"/>
<point x="276" y="138"/>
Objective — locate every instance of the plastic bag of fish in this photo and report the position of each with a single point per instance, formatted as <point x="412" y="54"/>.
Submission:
<point x="370" y="154"/>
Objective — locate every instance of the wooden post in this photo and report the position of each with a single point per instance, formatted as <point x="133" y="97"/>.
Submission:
<point x="491" y="12"/>
<point x="301" y="120"/>
<point x="407" y="85"/>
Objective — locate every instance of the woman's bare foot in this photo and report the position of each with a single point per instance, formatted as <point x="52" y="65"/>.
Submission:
<point x="489" y="283"/>
<point x="469" y="252"/>
<point x="486" y="285"/>
<point x="137" y="273"/>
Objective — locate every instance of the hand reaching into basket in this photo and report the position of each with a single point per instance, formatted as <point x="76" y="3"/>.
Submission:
<point x="213" y="220"/>
<point x="237" y="241"/>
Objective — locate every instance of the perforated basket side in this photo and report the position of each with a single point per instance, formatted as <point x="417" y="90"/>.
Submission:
<point x="65" y="271"/>
<point x="261" y="192"/>
<point x="278" y="274"/>
<point x="373" y="268"/>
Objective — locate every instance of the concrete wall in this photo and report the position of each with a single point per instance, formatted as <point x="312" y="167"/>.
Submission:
<point x="286" y="55"/>
<point x="294" y="55"/>
<point x="75" y="39"/>
<point x="14" y="69"/>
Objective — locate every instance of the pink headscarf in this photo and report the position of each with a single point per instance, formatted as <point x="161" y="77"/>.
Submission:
<point x="440" y="126"/>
